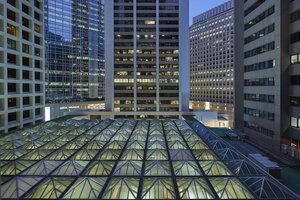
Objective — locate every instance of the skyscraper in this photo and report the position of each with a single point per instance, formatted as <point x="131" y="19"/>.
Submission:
<point x="21" y="64"/>
<point x="267" y="73"/>
<point x="74" y="49"/>
<point x="147" y="55"/>
<point x="212" y="60"/>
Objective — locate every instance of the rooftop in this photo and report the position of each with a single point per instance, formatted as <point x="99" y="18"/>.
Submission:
<point x="128" y="159"/>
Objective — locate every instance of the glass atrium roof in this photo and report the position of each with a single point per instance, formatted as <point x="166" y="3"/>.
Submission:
<point x="128" y="159"/>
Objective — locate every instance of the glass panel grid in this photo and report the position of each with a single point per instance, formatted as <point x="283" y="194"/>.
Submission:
<point x="128" y="159"/>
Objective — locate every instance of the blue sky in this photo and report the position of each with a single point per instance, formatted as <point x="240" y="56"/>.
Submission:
<point x="200" y="6"/>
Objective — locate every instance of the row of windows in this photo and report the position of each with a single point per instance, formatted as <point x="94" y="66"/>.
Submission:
<point x="253" y="7"/>
<point x="295" y="16"/>
<point x="295" y="101"/>
<point x="295" y="80"/>
<point x="25" y="8"/>
<point x="259" y="50"/>
<point x="26" y="114"/>
<point x="13" y="74"/>
<point x="260" y="66"/>
<point x="13" y="102"/>
<point x="259" y="34"/>
<point x="12" y="88"/>
<point x="295" y="59"/>
<point x="260" y="82"/>
<point x="295" y="122"/>
<point x="260" y="97"/>
<point x="260" y="17"/>
<point x="259" y="113"/>
<point x="14" y="59"/>
<point x="258" y="128"/>
<point x="295" y="37"/>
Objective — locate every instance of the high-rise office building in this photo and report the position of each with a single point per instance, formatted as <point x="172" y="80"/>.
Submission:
<point x="21" y="64"/>
<point x="212" y="60"/>
<point x="267" y="73"/>
<point x="74" y="31"/>
<point x="147" y="55"/>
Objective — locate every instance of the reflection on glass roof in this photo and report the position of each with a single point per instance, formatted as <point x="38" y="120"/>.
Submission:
<point x="128" y="159"/>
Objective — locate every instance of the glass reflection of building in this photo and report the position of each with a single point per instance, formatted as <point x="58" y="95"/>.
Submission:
<point x="74" y="49"/>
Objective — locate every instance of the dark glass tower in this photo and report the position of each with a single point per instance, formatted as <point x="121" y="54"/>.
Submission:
<point x="74" y="49"/>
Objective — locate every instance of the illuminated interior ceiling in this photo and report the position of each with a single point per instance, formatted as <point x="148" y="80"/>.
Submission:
<point x="128" y="159"/>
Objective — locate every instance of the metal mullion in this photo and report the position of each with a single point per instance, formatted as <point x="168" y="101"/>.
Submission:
<point x="234" y="175"/>
<point x="116" y="163"/>
<point x="202" y="171"/>
<point x="100" y="150"/>
<point x="47" y="176"/>
<point x="140" y="189"/>
<point x="43" y="141"/>
<point x="177" y="194"/>
<point x="78" y="176"/>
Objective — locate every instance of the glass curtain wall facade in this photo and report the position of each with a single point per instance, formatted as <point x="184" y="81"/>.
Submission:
<point x="145" y="49"/>
<point x="128" y="159"/>
<point x="22" y="72"/>
<point x="74" y="50"/>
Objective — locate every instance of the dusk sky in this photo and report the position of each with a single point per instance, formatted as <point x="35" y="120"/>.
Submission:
<point x="200" y="6"/>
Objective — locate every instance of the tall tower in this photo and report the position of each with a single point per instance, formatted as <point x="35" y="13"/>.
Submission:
<point x="147" y="55"/>
<point x="267" y="73"/>
<point x="21" y="64"/>
<point x="74" y="49"/>
<point x="212" y="60"/>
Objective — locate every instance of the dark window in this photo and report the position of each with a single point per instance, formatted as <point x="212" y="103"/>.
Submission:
<point x="25" y="22"/>
<point x="12" y="102"/>
<point x="295" y="101"/>
<point x="37" y="16"/>
<point x="295" y="16"/>
<point x="11" y="58"/>
<point x="12" y="2"/>
<point x="295" y="37"/>
<point x="26" y="113"/>
<point x="259" y="50"/>
<point x="37" y="4"/>
<point x="37" y="76"/>
<point x="11" y="44"/>
<point x="25" y="9"/>
<point x="12" y="117"/>
<point x="26" y="61"/>
<point x="260" y="82"/>
<point x="25" y="35"/>
<point x="253" y="6"/>
<point x="26" y="87"/>
<point x="26" y="74"/>
<point x="12" y="87"/>
<point x="11" y="73"/>
<point x="11" y="15"/>
<point x="295" y="80"/>
<point x="37" y="111"/>
<point x="37" y="87"/>
<point x="260" y="66"/>
<point x="37" y="64"/>
<point x="37" y="40"/>
<point x="37" y="99"/>
<point x="26" y="101"/>
<point x="260" y="17"/>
